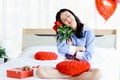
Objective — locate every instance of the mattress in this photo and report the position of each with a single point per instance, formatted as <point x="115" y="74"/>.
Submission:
<point x="105" y="59"/>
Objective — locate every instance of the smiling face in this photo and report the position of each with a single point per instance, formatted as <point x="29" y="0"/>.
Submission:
<point x="68" y="19"/>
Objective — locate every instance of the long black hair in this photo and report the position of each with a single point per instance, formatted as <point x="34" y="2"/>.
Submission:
<point x="79" y="31"/>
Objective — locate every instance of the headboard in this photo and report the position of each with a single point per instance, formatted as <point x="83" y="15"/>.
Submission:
<point x="51" y="32"/>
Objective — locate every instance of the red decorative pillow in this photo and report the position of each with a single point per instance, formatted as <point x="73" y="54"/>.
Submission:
<point x="73" y="68"/>
<point x="43" y="55"/>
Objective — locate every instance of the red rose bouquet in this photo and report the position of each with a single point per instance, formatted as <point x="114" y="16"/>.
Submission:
<point x="64" y="31"/>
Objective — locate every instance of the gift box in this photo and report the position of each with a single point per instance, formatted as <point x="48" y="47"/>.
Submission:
<point x="19" y="73"/>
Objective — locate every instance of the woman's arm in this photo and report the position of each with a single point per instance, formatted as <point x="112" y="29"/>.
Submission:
<point x="80" y="49"/>
<point x="76" y="49"/>
<point x="90" y="44"/>
<point x="63" y="47"/>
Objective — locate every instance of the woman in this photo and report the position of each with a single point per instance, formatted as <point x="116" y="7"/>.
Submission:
<point x="80" y="46"/>
<point x="82" y="42"/>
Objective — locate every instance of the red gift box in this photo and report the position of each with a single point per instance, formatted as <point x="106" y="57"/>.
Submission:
<point x="19" y="73"/>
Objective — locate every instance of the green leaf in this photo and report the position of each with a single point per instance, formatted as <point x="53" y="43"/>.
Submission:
<point x="2" y="52"/>
<point x="65" y="32"/>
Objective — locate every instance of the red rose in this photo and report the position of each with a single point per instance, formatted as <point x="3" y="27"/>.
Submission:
<point x="57" y="24"/>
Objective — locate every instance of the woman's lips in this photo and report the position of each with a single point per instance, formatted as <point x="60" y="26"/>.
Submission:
<point x="70" y="22"/>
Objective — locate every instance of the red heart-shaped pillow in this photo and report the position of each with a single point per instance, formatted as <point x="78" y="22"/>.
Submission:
<point x="43" y="55"/>
<point x="73" y="68"/>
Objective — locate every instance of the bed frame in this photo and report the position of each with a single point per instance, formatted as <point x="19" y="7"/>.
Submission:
<point x="51" y="32"/>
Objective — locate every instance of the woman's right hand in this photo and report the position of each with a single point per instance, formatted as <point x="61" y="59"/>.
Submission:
<point x="80" y="49"/>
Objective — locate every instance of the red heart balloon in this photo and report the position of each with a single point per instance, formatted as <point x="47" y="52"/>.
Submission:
<point x="106" y="8"/>
<point x="118" y="1"/>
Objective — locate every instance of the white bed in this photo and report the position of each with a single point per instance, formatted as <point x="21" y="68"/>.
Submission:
<point x="106" y="59"/>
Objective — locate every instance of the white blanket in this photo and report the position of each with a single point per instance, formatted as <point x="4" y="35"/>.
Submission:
<point x="106" y="59"/>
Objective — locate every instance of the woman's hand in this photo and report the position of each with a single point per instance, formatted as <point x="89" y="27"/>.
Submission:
<point x="80" y="49"/>
<point x="69" y="42"/>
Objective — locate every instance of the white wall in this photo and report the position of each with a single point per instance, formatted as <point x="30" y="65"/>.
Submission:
<point x="18" y="14"/>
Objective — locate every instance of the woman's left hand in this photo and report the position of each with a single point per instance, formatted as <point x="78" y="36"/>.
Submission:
<point x="69" y="42"/>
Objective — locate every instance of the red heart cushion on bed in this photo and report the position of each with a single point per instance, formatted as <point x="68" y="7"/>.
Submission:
<point x="73" y="68"/>
<point x="43" y="55"/>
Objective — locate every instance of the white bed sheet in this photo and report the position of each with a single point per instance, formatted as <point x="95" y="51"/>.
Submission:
<point x="106" y="59"/>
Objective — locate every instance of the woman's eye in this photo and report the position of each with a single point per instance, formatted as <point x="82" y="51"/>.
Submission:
<point x="64" y="20"/>
<point x="68" y="16"/>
